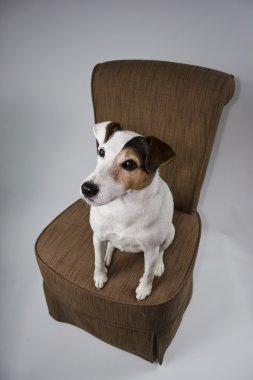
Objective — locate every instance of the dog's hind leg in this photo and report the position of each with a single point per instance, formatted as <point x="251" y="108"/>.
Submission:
<point x="108" y="255"/>
<point x="160" y="265"/>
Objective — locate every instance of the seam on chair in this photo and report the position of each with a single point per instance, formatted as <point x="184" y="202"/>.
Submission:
<point x="92" y="90"/>
<point x="209" y="145"/>
<point x="101" y="320"/>
<point x="204" y="165"/>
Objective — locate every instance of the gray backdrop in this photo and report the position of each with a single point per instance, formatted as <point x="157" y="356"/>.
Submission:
<point x="47" y="52"/>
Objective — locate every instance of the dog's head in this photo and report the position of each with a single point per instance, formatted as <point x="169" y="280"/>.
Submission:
<point x="126" y="161"/>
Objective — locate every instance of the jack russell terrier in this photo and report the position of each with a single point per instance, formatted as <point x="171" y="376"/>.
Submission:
<point x="131" y="206"/>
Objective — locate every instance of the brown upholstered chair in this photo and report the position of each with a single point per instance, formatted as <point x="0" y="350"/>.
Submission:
<point x="181" y="104"/>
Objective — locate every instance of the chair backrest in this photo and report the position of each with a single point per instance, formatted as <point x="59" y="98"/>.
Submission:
<point x="178" y="103"/>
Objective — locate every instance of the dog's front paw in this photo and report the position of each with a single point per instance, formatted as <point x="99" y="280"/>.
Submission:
<point x="143" y="291"/>
<point x="100" y="278"/>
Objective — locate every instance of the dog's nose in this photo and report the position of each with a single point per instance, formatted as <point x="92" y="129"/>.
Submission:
<point x="89" y="189"/>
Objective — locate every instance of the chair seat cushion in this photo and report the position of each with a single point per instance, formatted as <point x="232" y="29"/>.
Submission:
<point x="65" y="256"/>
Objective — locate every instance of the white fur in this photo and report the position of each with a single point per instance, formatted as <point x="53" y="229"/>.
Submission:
<point x="132" y="221"/>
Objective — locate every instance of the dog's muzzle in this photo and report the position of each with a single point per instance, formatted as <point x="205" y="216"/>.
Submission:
<point x="89" y="189"/>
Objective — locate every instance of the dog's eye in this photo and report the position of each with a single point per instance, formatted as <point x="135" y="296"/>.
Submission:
<point x="129" y="165"/>
<point x="101" y="152"/>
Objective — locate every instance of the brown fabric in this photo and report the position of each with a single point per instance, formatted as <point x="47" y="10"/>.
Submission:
<point x="180" y="104"/>
<point x="66" y="260"/>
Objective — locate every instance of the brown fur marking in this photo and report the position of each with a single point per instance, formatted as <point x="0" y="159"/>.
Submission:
<point x="136" y="179"/>
<point x="111" y="128"/>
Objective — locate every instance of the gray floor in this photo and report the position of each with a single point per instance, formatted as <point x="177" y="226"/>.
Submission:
<point x="48" y="50"/>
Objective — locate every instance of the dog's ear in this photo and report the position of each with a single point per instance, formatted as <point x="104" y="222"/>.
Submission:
<point x="151" y="151"/>
<point x="104" y="131"/>
<point x="158" y="154"/>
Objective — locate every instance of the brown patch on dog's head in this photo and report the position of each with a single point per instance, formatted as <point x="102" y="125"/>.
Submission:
<point x="134" y="179"/>
<point x="103" y="131"/>
<point x="110" y="129"/>
<point x="136" y="164"/>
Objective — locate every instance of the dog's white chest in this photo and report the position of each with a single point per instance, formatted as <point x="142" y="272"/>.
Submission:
<point x="134" y="226"/>
<point x="119" y="227"/>
<point x="123" y="242"/>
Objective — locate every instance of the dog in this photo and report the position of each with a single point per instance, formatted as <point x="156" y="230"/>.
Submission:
<point x="131" y="206"/>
